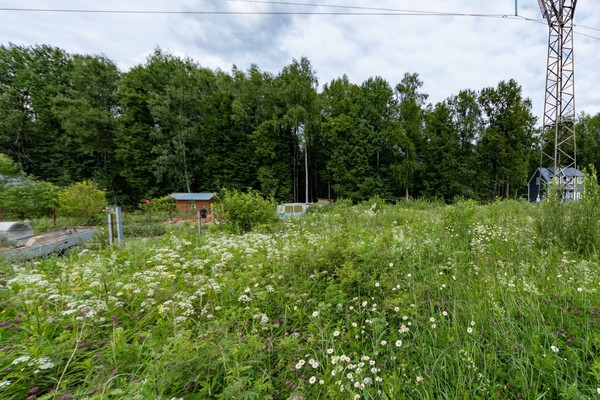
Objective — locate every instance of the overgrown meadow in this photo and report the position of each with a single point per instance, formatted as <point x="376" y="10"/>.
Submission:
<point x="415" y="300"/>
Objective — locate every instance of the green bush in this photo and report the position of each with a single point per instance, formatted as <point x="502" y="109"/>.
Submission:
<point x="81" y="200"/>
<point x="319" y="208"/>
<point x="586" y="216"/>
<point x="27" y="199"/>
<point x="161" y="204"/>
<point x="245" y="211"/>
<point x="22" y="196"/>
<point x="572" y="225"/>
<point x="459" y="219"/>
<point x="375" y="203"/>
<point x="552" y="219"/>
<point x="8" y="167"/>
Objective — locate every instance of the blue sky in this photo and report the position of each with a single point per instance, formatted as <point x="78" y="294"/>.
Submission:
<point x="450" y="53"/>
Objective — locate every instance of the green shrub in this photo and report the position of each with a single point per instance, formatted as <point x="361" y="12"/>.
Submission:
<point x="81" y="200"/>
<point x="321" y="208"/>
<point x="28" y="199"/>
<point x="586" y="214"/>
<point x="552" y="219"/>
<point x="22" y="196"/>
<point x="245" y="211"/>
<point x="161" y="204"/>
<point x="375" y="203"/>
<point x="8" y="167"/>
<point x="459" y="219"/>
<point x="343" y="203"/>
<point x="571" y="225"/>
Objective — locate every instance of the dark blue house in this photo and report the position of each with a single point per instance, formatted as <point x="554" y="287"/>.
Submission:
<point x="570" y="179"/>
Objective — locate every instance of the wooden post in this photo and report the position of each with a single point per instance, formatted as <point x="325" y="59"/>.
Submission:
<point x="199" y="224"/>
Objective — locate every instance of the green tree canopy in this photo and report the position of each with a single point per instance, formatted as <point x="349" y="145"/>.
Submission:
<point x="170" y="124"/>
<point x="507" y="139"/>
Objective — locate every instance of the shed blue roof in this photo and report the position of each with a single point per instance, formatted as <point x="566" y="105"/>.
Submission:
<point x="193" y="196"/>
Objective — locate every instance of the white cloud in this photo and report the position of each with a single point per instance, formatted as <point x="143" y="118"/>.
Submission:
<point x="449" y="53"/>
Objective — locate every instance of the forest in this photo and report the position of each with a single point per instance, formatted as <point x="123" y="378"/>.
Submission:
<point x="171" y="125"/>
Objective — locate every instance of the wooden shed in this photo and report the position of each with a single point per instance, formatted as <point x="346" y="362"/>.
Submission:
<point x="191" y="203"/>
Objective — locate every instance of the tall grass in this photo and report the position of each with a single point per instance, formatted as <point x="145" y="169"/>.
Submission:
<point x="412" y="300"/>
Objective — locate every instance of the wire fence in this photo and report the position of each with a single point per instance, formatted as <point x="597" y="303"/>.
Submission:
<point x="25" y="239"/>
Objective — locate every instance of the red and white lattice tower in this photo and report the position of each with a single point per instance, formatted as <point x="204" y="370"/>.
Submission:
<point x="558" y="141"/>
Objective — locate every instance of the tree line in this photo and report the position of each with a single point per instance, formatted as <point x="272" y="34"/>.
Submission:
<point x="171" y="125"/>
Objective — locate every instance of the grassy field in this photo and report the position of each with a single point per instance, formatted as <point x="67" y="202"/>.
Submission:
<point x="408" y="301"/>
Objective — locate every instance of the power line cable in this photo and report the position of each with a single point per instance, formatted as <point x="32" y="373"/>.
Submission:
<point x="367" y="12"/>
<point x="360" y="11"/>
<point x="544" y="22"/>
<point x="586" y="35"/>
<point x="394" y="10"/>
<point x="586" y="27"/>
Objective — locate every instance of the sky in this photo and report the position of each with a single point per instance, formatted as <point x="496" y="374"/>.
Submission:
<point x="450" y="51"/>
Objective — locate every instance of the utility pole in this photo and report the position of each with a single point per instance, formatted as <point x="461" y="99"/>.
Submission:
<point x="306" y="167"/>
<point x="558" y="147"/>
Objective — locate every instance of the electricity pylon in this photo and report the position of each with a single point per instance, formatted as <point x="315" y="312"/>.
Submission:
<point x="558" y="149"/>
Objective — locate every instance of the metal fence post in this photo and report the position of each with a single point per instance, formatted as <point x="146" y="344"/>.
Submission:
<point x="119" y="227"/>
<point x="111" y="237"/>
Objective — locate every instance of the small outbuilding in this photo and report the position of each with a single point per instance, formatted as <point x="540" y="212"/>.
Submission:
<point x="191" y="203"/>
<point x="571" y="180"/>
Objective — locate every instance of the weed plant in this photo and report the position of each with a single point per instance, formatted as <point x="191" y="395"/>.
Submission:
<point x="369" y="301"/>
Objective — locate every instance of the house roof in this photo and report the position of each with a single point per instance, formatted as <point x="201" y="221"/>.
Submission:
<point x="548" y="173"/>
<point x="193" y="196"/>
